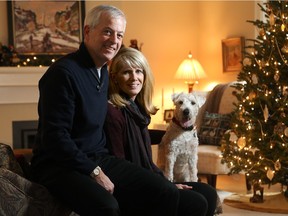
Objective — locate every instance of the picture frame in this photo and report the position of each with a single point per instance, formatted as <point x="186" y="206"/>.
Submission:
<point x="168" y="115"/>
<point x="232" y="54"/>
<point x="45" y="28"/>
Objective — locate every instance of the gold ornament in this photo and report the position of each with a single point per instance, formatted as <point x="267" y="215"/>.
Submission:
<point x="252" y="95"/>
<point x="241" y="142"/>
<point x="286" y="132"/>
<point x="272" y="19"/>
<point x="285" y="90"/>
<point x="284" y="49"/>
<point x="247" y="62"/>
<point x="262" y="32"/>
<point x="276" y="77"/>
<point x="254" y="79"/>
<point x="266" y="113"/>
<point x="233" y="137"/>
<point x="270" y="174"/>
<point x="277" y="165"/>
<point x="254" y="150"/>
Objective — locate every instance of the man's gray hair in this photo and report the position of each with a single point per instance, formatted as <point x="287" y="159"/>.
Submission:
<point x="93" y="16"/>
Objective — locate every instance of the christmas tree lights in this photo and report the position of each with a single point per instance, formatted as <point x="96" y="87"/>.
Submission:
<point x="257" y="144"/>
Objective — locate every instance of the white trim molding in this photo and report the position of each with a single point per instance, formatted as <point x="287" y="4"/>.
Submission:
<point x="20" y="84"/>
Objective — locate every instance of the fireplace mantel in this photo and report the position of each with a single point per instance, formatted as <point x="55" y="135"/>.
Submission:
<point x="19" y="84"/>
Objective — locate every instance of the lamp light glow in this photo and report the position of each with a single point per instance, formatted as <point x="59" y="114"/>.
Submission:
<point x="191" y="71"/>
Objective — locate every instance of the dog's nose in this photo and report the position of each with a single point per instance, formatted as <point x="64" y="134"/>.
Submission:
<point x="186" y="112"/>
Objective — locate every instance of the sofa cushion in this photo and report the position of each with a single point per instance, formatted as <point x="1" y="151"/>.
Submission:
<point x="213" y="127"/>
<point x="209" y="160"/>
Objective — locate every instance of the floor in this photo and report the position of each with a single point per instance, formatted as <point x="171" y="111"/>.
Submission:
<point x="227" y="185"/>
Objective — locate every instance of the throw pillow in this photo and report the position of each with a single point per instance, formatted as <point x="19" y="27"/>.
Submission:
<point x="213" y="127"/>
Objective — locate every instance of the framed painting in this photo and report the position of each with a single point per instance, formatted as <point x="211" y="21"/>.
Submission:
<point x="45" y="27"/>
<point x="232" y="54"/>
<point x="168" y="115"/>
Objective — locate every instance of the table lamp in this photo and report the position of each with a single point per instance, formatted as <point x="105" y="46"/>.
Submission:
<point x="191" y="71"/>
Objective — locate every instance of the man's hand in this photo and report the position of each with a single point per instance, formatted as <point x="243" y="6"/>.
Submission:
<point x="105" y="182"/>
<point x="183" y="186"/>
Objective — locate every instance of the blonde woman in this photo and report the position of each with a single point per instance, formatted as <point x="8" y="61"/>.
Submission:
<point x="128" y="116"/>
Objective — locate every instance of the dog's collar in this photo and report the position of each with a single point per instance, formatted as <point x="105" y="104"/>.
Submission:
<point x="184" y="128"/>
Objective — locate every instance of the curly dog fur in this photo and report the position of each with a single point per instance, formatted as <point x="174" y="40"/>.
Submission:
<point x="177" y="153"/>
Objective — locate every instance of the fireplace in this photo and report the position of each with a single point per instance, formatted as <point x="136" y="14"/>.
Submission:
<point x="24" y="133"/>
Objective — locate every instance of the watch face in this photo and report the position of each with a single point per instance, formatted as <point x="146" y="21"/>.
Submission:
<point x="96" y="172"/>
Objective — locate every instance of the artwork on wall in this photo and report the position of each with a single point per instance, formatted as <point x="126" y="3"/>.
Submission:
<point x="168" y="115"/>
<point x="45" y="27"/>
<point x="232" y="54"/>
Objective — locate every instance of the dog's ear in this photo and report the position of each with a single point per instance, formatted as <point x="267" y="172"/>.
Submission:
<point x="200" y="100"/>
<point x="174" y="96"/>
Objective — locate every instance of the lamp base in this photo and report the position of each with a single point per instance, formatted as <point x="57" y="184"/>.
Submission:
<point x="190" y="87"/>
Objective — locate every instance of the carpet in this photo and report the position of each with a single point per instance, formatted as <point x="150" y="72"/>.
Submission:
<point x="274" y="202"/>
<point x="223" y="194"/>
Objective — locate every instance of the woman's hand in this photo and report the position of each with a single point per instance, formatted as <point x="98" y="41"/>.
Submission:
<point x="183" y="186"/>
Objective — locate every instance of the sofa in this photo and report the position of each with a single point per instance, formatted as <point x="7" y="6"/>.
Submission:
<point x="212" y="122"/>
<point x="19" y="195"/>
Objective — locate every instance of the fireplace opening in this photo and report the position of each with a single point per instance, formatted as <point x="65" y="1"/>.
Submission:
<point x="24" y="133"/>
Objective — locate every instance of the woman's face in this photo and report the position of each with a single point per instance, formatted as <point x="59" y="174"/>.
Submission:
<point x="130" y="80"/>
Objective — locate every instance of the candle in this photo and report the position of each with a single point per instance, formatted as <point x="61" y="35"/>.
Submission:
<point x="162" y="98"/>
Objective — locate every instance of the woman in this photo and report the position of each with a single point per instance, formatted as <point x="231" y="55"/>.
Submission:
<point x="129" y="109"/>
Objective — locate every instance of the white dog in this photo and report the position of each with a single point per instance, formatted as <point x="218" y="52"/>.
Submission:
<point x="177" y="153"/>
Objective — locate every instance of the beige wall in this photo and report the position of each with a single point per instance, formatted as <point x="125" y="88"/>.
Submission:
<point x="168" y="31"/>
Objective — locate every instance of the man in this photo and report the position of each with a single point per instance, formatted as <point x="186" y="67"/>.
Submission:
<point x="70" y="157"/>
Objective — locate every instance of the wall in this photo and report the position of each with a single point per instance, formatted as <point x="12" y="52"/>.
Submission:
<point x="168" y="31"/>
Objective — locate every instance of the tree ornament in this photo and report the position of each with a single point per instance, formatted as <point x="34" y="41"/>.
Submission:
<point x="277" y="165"/>
<point x="276" y="77"/>
<point x="233" y="137"/>
<point x="270" y="174"/>
<point x="241" y="142"/>
<point x="272" y="19"/>
<point x="266" y="113"/>
<point x="262" y="32"/>
<point x="254" y="151"/>
<point x="284" y="49"/>
<point x="283" y="27"/>
<point x="247" y="62"/>
<point x="252" y="95"/>
<point x="254" y="79"/>
<point x="286" y="132"/>
<point x="285" y="90"/>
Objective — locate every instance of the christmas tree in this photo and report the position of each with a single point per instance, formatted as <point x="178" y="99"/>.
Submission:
<point x="257" y="144"/>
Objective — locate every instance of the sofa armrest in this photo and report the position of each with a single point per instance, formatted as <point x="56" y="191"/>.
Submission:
<point x="23" y="197"/>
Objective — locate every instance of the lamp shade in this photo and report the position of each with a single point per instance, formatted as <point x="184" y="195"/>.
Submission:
<point x="191" y="71"/>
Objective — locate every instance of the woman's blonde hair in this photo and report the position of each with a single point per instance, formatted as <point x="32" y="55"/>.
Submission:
<point x="133" y="58"/>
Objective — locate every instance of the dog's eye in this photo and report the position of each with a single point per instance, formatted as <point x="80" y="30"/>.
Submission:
<point x="180" y="102"/>
<point x="193" y="102"/>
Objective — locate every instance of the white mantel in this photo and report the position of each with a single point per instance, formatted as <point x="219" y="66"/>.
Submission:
<point x="20" y="84"/>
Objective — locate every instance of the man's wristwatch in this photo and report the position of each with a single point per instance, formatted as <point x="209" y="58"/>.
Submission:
<point x="95" y="172"/>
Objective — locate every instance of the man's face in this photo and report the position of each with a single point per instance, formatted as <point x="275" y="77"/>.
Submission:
<point x="105" y="40"/>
